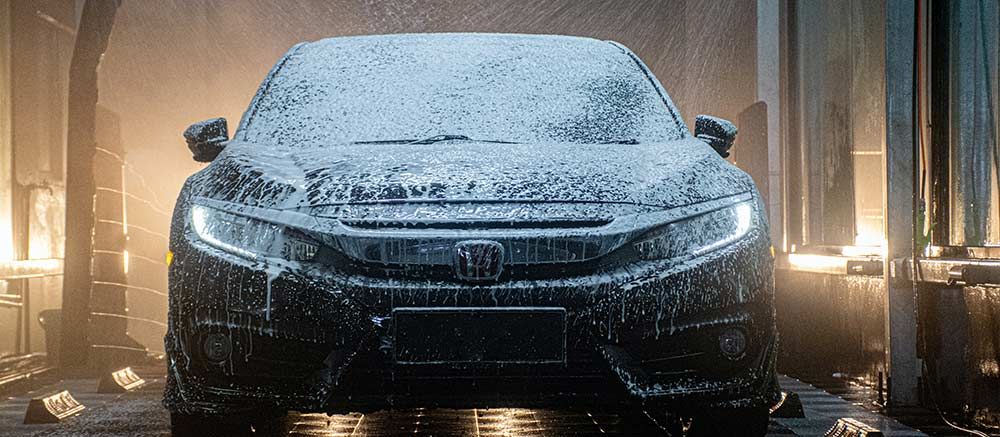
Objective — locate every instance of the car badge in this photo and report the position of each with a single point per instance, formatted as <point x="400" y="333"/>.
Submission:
<point x="478" y="260"/>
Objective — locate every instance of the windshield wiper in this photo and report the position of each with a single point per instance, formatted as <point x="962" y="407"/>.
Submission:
<point x="440" y="138"/>
<point x="434" y="139"/>
<point x="630" y="141"/>
<point x="385" y="141"/>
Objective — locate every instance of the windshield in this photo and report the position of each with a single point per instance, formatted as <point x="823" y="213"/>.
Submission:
<point x="486" y="87"/>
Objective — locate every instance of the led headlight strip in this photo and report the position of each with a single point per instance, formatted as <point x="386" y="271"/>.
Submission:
<point x="698" y="234"/>
<point x="248" y="237"/>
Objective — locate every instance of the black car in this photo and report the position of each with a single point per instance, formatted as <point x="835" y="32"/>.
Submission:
<point x="468" y="220"/>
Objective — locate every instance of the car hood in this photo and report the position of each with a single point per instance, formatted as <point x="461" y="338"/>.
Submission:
<point x="663" y="175"/>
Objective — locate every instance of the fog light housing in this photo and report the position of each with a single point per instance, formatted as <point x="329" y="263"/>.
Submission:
<point x="733" y="343"/>
<point x="217" y="347"/>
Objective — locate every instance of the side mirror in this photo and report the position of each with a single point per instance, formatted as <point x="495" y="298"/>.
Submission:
<point x="715" y="131"/>
<point x="206" y="139"/>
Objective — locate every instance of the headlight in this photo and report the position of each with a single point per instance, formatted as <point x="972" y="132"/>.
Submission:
<point x="697" y="235"/>
<point x="250" y="238"/>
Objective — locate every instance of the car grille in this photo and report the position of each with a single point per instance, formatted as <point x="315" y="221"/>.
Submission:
<point x="533" y="248"/>
<point x="442" y="272"/>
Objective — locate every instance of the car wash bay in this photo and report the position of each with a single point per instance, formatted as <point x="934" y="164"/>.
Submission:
<point x="869" y="128"/>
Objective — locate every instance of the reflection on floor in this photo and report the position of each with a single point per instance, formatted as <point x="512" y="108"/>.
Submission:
<point x="472" y="422"/>
<point x="482" y="423"/>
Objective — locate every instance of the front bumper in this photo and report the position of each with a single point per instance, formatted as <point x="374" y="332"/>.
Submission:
<point x="315" y="339"/>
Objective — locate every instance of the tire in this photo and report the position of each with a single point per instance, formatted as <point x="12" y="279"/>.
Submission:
<point x="191" y="425"/>
<point x="737" y="422"/>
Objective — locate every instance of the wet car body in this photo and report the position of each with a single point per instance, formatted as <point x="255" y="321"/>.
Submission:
<point x="596" y="259"/>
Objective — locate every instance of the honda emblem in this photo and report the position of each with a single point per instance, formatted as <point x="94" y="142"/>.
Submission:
<point x="478" y="260"/>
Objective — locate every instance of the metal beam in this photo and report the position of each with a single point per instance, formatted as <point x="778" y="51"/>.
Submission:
<point x="30" y="268"/>
<point x="952" y="271"/>
<point x="900" y="202"/>
<point x="830" y="264"/>
<point x="791" y="141"/>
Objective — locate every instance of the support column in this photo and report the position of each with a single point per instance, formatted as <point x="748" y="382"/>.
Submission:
<point x="768" y="91"/>
<point x="900" y="201"/>
<point x="92" y="40"/>
<point x="6" y="156"/>
<point x="6" y="149"/>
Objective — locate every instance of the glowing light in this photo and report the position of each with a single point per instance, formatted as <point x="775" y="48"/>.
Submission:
<point x="869" y="241"/>
<point x="869" y="236"/>
<point x="806" y="261"/>
<point x="744" y="217"/>
<point x="989" y="367"/>
<point x="124" y="203"/>
<point x="6" y="240"/>
<point x="863" y="251"/>
<point x="201" y="221"/>
<point x="698" y="234"/>
<point x="125" y="260"/>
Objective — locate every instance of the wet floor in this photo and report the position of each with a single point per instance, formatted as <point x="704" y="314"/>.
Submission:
<point x="139" y="413"/>
<point x="473" y="422"/>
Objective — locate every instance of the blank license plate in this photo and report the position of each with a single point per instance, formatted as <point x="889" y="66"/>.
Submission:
<point x="479" y="335"/>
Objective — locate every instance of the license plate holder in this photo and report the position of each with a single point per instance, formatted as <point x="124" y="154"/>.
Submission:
<point x="479" y="335"/>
